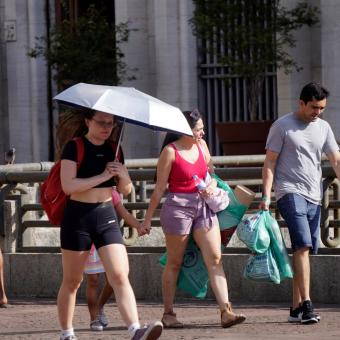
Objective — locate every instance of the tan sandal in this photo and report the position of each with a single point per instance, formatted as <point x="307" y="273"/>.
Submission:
<point x="169" y="320"/>
<point x="229" y="318"/>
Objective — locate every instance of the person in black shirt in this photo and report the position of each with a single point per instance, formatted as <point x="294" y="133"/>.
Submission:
<point x="91" y="218"/>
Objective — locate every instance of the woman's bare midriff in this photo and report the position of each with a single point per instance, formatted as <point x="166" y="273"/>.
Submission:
<point x="95" y="195"/>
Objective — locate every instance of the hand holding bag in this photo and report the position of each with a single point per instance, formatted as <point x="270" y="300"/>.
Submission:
<point x="219" y="200"/>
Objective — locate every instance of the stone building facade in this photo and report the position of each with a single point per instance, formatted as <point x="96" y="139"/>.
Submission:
<point x="164" y="52"/>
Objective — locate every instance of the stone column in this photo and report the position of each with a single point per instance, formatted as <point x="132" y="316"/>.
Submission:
<point x="163" y="50"/>
<point x="12" y="224"/>
<point x="330" y="56"/>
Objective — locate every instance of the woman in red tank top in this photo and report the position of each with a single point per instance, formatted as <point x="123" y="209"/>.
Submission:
<point x="184" y="212"/>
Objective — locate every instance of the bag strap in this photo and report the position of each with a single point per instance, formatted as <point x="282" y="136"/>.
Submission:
<point x="80" y="150"/>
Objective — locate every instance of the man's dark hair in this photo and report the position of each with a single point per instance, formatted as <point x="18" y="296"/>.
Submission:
<point x="313" y="91"/>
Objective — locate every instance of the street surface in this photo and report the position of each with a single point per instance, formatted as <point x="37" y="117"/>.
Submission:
<point x="37" y="319"/>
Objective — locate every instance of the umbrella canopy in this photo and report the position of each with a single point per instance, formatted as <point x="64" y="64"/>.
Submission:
<point x="128" y="103"/>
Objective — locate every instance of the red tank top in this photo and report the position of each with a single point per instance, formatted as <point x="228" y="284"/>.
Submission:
<point x="180" y="177"/>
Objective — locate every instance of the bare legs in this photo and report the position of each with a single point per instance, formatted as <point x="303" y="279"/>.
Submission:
<point x="73" y="267"/>
<point x="94" y="302"/>
<point x="175" y="246"/>
<point x="301" y="279"/>
<point x="209" y="241"/>
<point x="210" y="244"/>
<point x="92" y="283"/>
<point x="3" y="297"/>
<point x="105" y="295"/>
<point x="115" y="261"/>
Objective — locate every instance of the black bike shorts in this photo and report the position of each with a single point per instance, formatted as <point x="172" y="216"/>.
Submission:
<point x="87" y="223"/>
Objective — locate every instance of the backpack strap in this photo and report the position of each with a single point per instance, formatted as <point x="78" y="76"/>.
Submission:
<point x="80" y="150"/>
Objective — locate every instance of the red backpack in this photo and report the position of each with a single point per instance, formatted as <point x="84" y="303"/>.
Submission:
<point x="52" y="197"/>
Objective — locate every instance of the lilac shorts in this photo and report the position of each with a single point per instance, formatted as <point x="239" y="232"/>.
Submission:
<point x="182" y="213"/>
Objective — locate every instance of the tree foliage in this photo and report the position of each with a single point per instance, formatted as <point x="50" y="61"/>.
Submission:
<point x="247" y="36"/>
<point x="87" y="50"/>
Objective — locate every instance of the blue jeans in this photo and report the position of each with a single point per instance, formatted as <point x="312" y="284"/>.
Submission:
<point x="303" y="221"/>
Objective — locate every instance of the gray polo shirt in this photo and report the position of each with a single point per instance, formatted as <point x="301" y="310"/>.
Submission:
<point x="300" y="146"/>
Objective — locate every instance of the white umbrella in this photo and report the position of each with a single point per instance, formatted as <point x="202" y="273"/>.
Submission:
<point x="128" y="103"/>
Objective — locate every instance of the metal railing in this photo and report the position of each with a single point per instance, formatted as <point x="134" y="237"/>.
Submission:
<point x="18" y="180"/>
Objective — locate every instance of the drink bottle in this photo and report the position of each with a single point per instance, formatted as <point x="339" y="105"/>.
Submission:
<point x="200" y="184"/>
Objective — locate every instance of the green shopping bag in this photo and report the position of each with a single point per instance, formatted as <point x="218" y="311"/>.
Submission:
<point x="252" y="231"/>
<point x="193" y="276"/>
<point x="278" y="247"/>
<point x="233" y="213"/>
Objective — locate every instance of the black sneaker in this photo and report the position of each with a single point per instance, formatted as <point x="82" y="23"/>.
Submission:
<point x="295" y="315"/>
<point x="308" y="315"/>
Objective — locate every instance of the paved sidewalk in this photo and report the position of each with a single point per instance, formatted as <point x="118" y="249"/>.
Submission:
<point x="37" y="319"/>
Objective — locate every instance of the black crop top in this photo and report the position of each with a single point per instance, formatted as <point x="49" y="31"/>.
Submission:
<point x="94" y="161"/>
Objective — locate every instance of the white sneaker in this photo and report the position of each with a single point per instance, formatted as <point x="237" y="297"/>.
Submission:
<point x="96" y="326"/>
<point x="103" y="318"/>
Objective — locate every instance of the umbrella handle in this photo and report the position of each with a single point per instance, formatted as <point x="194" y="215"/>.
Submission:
<point x="119" y="140"/>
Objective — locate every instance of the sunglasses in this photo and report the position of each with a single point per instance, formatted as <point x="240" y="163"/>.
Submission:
<point x="103" y="124"/>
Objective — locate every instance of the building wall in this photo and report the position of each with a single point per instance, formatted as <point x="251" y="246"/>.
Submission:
<point x="318" y="52"/>
<point x="4" y="125"/>
<point x="163" y="50"/>
<point x="26" y="82"/>
<point x="330" y="59"/>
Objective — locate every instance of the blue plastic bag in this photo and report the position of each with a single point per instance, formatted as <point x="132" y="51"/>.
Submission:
<point x="253" y="233"/>
<point x="233" y="213"/>
<point x="262" y="267"/>
<point x="193" y="276"/>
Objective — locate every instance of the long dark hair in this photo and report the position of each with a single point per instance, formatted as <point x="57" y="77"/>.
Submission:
<point x="192" y="118"/>
<point x="72" y="124"/>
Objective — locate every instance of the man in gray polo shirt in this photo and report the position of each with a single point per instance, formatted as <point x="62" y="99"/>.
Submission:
<point x="294" y="148"/>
